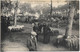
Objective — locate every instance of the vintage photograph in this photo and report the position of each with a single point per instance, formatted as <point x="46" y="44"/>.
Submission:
<point x="39" y="25"/>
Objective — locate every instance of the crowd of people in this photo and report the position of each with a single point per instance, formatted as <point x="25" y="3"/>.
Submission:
<point x="38" y="29"/>
<point x="43" y="28"/>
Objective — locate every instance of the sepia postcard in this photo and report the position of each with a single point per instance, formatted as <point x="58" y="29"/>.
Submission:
<point x="39" y="25"/>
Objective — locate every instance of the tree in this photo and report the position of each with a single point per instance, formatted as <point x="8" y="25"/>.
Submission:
<point x="6" y="6"/>
<point x="25" y="7"/>
<point x="15" y="15"/>
<point x="73" y="7"/>
<point x="51" y="8"/>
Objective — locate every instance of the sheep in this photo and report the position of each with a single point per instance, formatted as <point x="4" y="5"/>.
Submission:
<point x="10" y="28"/>
<point x="18" y="27"/>
<point x="60" y="40"/>
<point x="76" y="43"/>
<point x="69" y="43"/>
<point x="72" y="42"/>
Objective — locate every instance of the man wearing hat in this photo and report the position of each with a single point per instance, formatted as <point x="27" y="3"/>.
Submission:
<point x="36" y="29"/>
<point x="32" y="42"/>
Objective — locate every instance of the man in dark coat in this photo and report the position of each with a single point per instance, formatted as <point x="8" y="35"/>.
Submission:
<point x="40" y="27"/>
<point x="32" y="42"/>
<point x="36" y="29"/>
<point x="46" y="34"/>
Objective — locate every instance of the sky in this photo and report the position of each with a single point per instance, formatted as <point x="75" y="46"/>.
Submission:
<point x="56" y="3"/>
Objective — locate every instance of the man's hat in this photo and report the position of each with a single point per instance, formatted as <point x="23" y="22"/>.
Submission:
<point x="33" y="33"/>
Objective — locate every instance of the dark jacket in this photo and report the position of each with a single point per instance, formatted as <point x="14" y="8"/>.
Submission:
<point x="46" y="30"/>
<point x="46" y="33"/>
<point x="35" y="28"/>
<point x="32" y="45"/>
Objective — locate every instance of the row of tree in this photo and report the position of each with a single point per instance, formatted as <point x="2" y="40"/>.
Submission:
<point x="45" y="10"/>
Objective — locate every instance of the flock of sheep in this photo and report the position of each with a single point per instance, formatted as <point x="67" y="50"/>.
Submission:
<point x="71" y="42"/>
<point x="15" y="28"/>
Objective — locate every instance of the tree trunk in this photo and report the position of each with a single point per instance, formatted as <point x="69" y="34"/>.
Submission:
<point x="15" y="20"/>
<point x="70" y="21"/>
<point x="51" y="8"/>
